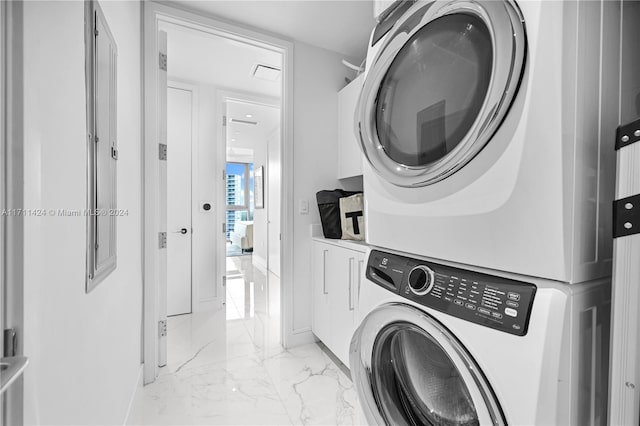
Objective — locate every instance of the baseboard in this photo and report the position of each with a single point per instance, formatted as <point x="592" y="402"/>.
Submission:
<point x="259" y="263"/>
<point x="300" y="337"/>
<point x="136" y="389"/>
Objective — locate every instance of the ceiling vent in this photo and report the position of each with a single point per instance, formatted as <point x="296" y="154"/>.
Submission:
<point x="266" y="72"/>
<point x="235" y="120"/>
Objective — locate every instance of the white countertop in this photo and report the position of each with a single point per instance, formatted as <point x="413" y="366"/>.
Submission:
<point x="316" y="235"/>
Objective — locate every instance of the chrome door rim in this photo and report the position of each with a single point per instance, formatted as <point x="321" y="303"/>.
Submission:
<point x="508" y="65"/>
<point x="361" y="354"/>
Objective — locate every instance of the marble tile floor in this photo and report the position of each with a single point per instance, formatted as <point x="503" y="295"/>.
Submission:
<point x="227" y="367"/>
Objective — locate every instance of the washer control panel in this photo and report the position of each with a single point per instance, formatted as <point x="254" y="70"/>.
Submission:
<point x="500" y="303"/>
<point x="421" y="279"/>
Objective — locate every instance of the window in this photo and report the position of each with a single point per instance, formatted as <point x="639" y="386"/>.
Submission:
<point x="239" y="194"/>
<point x="102" y="153"/>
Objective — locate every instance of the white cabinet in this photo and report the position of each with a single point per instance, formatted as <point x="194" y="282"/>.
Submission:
<point x="349" y="154"/>
<point x="337" y="276"/>
<point x="321" y="316"/>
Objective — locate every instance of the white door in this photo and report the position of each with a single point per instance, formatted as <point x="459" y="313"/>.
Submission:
<point x="179" y="136"/>
<point x="162" y="198"/>
<point x="274" y="181"/>
<point x="12" y="259"/>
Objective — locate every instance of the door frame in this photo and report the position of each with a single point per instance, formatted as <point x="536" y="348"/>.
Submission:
<point x="179" y="85"/>
<point x="222" y="97"/>
<point x="12" y="195"/>
<point x="154" y="15"/>
<point x="269" y="197"/>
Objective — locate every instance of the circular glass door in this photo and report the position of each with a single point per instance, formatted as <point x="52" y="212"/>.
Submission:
<point x="439" y="88"/>
<point x="415" y="392"/>
<point x="409" y="370"/>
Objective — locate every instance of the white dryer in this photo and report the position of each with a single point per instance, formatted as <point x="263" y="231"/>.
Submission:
<point x="487" y="130"/>
<point x="441" y="345"/>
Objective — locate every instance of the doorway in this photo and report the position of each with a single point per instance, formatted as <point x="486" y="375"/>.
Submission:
<point x="206" y="44"/>
<point x="251" y="125"/>
<point x="180" y="126"/>
<point x="252" y="133"/>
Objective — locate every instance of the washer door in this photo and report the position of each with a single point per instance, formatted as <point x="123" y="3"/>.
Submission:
<point x="440" y="87"/>
<point x="410" y="370"/>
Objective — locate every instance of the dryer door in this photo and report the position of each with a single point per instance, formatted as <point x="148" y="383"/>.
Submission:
<point x="410" y="370"/>
<point x="440" y="87"/>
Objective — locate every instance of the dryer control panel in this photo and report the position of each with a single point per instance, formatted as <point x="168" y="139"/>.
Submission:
<point x="497" y="302"/>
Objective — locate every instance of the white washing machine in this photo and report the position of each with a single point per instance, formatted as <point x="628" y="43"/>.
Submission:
<point x="488" y="130"/>
<point x="442" y="345"/>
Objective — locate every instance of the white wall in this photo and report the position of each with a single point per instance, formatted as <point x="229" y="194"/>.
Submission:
<point x="318" y="75"/>
<point x="85" y="349"/>
<point x="260" y="218"/>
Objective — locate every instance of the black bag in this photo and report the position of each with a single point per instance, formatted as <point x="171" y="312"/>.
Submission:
<point x="329" y="207"/>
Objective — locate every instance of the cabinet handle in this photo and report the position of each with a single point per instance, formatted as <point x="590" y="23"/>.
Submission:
<point x="351" y="259"/>
<point x="324" y="272"/>
<point x="360" y="265"/>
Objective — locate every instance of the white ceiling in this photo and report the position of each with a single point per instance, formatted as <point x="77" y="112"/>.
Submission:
<point x="241" y="137"/>
<point x="216" y="61"/>
<point x="342" y="26"/>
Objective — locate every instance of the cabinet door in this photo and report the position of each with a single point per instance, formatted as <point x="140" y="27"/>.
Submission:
<point x="349" y="154"/>
<point x="344" y="300"/>
<point x="321" y="309"/>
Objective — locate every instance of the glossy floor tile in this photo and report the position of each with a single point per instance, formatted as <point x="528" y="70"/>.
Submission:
<point x="227" y="367"/>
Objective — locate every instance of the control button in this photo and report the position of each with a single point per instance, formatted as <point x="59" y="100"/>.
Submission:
<point x="496" y="315"/>
<point x="458" y="302"/>
<point x="448" y="299"/>
<point x="512" y="304"/>
<point x="421" y="280"/>
<point x="513" y="296"/>
<point x="470" y="306"/>
<point x="484" y="311"/>
<point x="511" y="312"/>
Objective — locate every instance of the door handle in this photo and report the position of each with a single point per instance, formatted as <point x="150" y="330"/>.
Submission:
<point x="181" y="231"/>
<point x="351" y="307"/>
<point x="360" y="265"/>
<point x="324" y="272"/>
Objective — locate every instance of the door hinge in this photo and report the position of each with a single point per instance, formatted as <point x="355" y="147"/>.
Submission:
<point x="10" y="342"/>
<point x="114" y="153"/>
<point x="162" y="151"/>
<point x="626" y="216"/>
<point x="162" y="240"/>
<point x="224" y="120"/>
<point x="163" y="61"/>
<point x="627" y="134"/>
<point x="162" y="328"/>
<point x="224" y="227"/>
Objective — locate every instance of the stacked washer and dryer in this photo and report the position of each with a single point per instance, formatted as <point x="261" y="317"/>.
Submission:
<point x="489" y="175"/>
